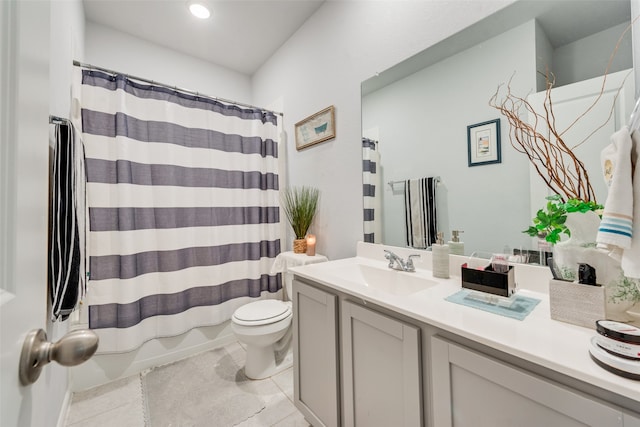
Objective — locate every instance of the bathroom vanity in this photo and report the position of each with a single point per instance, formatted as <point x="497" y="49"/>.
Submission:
<point x="379" y="347"/>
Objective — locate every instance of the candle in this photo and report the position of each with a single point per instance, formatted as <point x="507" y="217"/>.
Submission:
<point x="311" y="245"/>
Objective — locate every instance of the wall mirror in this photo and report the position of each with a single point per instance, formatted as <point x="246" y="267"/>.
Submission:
<point x="418" y="112"/>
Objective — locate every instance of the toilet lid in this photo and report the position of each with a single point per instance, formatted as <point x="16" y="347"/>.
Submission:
<point x="262" y="312"/>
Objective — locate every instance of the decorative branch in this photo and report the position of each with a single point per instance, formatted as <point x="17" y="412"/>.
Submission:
<point x="543" y="144"/>
<point x="552" y="159"/>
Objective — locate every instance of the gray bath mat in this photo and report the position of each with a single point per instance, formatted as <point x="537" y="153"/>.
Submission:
<point x="209" y="389"/>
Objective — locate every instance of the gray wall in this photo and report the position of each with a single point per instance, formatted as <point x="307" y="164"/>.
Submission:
<point x="324" y="63"/>
<point x="589" y="57"/>
<point x="422" y="122"/>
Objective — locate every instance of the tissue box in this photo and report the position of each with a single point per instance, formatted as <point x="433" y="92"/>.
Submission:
<point x="575" y="303"/>
<point x="490" y="281"/>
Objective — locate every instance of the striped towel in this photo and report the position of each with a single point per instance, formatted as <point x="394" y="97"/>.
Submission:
<point x="615" y="230"/>
<point x="420" y="212"/>
<point x="66" y="247"/>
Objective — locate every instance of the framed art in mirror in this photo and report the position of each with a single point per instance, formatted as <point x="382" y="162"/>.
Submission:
<point x="483" y="142"/>
<point x="318" y="127"/>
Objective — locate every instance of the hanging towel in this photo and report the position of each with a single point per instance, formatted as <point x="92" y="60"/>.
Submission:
<point x="615" y="230"/>
<point x="631" y="256"/>
<point x="420" y="212"/>
<point x="66" y="265"/>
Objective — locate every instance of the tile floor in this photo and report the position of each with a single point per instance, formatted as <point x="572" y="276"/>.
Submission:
<point x="205" y="390"/>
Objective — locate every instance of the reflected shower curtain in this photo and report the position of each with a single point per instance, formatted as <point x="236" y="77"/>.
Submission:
<point x="183" y="208"/>
<point x="371" y="191"/>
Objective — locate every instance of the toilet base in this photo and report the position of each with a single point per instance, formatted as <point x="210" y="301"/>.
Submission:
<point x="261" y="362"/>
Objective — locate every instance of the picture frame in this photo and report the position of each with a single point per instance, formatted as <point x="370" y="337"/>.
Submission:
<point x="483" y="143"/>
<point x="316" y="128"/>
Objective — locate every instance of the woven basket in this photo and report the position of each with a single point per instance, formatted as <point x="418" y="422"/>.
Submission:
<point x="300" y="246"/>
<point x="575" y="303"/>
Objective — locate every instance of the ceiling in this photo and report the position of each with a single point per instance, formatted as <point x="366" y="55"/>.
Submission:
<point x="240" y="34"/>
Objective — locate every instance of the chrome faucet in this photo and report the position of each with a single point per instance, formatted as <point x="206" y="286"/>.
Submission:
<point x="397" y="263"/>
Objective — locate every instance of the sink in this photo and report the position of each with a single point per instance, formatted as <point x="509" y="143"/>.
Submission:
<point x="385" y="279"/>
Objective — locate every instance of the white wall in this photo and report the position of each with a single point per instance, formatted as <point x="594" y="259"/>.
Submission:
<point x="118" y="51"/>
<point x="323" y="64"/>
<point x="422" y="122"/>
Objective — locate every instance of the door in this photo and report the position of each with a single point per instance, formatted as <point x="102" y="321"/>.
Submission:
<point x="380" y="369"/>
<point x="569" y="102"/>
<point x="24" y="130"/>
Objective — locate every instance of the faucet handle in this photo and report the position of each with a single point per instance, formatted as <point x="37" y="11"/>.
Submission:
<point x="409" y="264"/>
<point x="391" y="257"/>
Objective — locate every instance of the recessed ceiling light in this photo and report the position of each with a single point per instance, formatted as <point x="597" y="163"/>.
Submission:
<point x="199" y="10"/>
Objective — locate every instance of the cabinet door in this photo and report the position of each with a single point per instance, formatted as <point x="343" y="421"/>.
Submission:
<point x="472" y="389"/>
<point x="380" y="368"/>
<point x="315" y="355"/>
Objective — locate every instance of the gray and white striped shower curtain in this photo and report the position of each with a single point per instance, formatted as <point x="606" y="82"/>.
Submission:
<point x="183" y="208"/>
<point x="371" y="191"/>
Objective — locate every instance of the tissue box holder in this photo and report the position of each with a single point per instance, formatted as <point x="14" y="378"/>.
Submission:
<point x="489" y="281"/>
<point x="575" y="303"/>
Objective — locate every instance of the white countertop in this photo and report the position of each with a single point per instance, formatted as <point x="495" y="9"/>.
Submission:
<point x="558" y="346"/>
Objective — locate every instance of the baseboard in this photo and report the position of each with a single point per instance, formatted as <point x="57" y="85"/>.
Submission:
<point x="64" y="410"/>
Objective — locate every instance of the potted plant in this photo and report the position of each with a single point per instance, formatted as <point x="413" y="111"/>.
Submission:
<point x="300" y="205"/>
<point x="551" y="223"/>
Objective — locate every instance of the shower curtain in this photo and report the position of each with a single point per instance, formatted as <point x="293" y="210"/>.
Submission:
<point x="183" y="208"/>
<point x="371" y="191"/>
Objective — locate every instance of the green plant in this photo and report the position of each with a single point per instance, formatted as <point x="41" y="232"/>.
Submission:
<point x="550" y="223"/>
<point x="300" y="205"/>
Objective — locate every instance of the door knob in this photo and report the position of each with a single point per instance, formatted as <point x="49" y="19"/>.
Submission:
<point x="72" y="349"/>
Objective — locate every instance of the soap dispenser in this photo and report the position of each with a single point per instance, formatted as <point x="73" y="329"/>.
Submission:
<point x="455" y="245"/>
<point x="440" y="258"/>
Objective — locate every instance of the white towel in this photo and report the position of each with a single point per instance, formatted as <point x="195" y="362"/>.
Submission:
<point x="615" y="230"/>
<point x="631" y="256"/>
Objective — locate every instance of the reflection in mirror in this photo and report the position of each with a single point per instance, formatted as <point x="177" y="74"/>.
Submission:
<point x="415" y="117"/>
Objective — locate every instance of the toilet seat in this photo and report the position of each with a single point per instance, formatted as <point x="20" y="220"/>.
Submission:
<point x="261" y="313"/>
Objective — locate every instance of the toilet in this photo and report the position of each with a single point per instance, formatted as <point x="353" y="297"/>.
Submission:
<point x="265" y="328"/>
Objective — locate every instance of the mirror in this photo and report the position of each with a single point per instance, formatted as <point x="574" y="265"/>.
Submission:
<point x="418" y="113"/>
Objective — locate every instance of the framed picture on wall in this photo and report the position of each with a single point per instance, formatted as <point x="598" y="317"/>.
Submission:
<point x="483" y="140"/>
<point x="316" y="128"/>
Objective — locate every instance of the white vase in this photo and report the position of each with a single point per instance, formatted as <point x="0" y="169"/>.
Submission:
<point x="580" y="248"/>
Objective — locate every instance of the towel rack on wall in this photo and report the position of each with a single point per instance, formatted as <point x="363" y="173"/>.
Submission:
<point x="55" y="120"/>
<point x="392" y="183"/>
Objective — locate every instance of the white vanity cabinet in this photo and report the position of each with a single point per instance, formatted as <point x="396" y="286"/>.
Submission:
<point x="473" y="389"/>
<point x="378" y="381"/>
<point x="361" y="363"/>
<point x="381" y="373"/>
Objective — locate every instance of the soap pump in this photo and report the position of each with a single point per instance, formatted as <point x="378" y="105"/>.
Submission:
<point x="440" y="258"/>
<point x="455" y="245"/>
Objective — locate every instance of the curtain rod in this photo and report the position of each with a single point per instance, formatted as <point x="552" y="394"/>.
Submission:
<point x="106" y="70"/>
